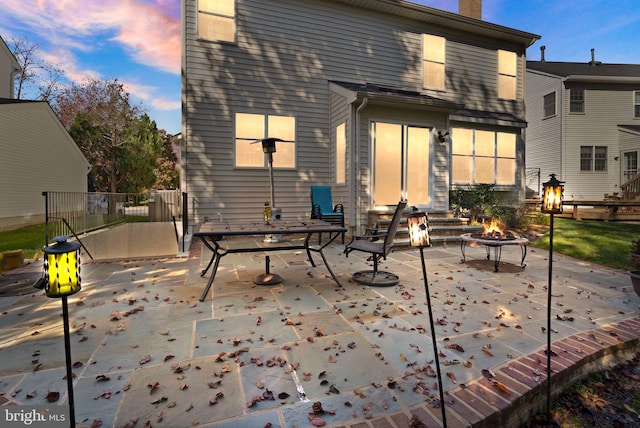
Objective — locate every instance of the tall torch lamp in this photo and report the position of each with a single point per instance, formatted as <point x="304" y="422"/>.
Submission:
<point x="62" y="279"/>
<point x="418" y="225"/>
<point x="551" y="204"/>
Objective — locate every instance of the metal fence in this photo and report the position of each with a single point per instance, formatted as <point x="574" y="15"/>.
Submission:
<point x="71" y="213"/>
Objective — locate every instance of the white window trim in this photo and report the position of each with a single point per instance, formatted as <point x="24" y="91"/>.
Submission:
<point x="514" y="76"/>
<point x="442" y="88"/>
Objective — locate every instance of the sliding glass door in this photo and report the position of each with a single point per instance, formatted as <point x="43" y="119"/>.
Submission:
<point x="401" y="164"/>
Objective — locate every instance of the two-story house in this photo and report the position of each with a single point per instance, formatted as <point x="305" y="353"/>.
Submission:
<point x="584" y="124"/>
<point x="381" y="99"/>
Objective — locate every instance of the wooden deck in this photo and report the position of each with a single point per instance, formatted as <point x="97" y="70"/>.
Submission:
<point x="608" y="210"/>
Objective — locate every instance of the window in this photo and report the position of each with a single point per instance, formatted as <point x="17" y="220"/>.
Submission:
<point x="217" y="20"/>
<point x="576" y="100"/>
<point x="401" y="163"/>
<point x="433" y="56"/>
<point x="549" y="105"/>
<point x="593" y="158"/>
<point x="507" y="74"/>
<point x="252" y="127"/>
<point x="630" y="165"/>
<point x="341" y="154"/>
<point x="483" y="157"/>
<point x="636" y="104"/>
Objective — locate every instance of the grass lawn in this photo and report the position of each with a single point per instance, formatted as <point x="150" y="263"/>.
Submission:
<point x="604" y="243"/>
<point x="30" y="239"/>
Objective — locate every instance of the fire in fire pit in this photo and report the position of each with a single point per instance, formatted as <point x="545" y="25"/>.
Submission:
<point x="494" y="230"/>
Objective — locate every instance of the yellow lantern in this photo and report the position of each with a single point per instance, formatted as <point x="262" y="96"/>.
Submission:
<point x="552" y="196"/>
<point x="418" y="225"/>
<point x="62" y="268"/>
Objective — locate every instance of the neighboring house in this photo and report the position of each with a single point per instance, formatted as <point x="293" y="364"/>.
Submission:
<point x="381" y="99"/>
<point x="583" y="124"/>
<point x="9" y="67"/>
<point x="38" y="154"/>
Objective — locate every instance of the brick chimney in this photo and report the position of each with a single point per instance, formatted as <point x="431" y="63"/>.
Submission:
<point x="470" y="8"/>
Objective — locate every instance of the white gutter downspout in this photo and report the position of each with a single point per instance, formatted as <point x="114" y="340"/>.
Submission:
<point x="355" y="197"/>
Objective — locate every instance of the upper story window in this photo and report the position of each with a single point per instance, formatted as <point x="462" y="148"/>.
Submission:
<point x="483" y="157"/>
<point x="433" y="62"/>
<point x="549" y="101"/>
<point x="593" y="158"/>
<point x="636" y="104"/>
<point x="252" y="127"/>
<point x="217" y="20"/>
<point x="576" y="100"/>
<point x="507" y="74"/>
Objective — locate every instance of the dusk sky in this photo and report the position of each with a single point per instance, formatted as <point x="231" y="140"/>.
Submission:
<point x="138" y="41"/>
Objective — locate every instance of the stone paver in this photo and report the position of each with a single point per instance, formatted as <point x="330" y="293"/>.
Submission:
<point x="146" y="350"/>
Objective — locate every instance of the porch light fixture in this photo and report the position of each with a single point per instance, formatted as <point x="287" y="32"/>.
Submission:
<point x="418" y="224"/>
<point x="551" y="204"/>
<point x="62" y="279"/>
<point x="442" y="136"/>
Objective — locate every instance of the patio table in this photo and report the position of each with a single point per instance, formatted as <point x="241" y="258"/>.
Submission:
<point x="496" y="244"/>
<point x="211" y="233"/>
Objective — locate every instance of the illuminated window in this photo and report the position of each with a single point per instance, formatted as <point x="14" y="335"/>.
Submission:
<point x="252" y="127"/>
<point x="507" y="74"/>
<point x="341" y="154"/>
<point x="433" y="57"/>
<point x="483" y="157"/>
<point x="217" y="20"/>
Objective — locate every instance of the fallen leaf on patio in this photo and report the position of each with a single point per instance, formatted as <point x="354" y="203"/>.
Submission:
<point x="501" y="387"/>
<point x="283" y="396"/>
<point x="160" y="400"/>
<point x="169" y="357"/>
<point x="53" y="396"/>
<point x="359" y="393"/>
<point x="451" y="376"/>
<point x="83" y="339"/>
<point x="454" y="346"/>
<point x="486" y="351"/>
<point x="488" y="373"/>
<point x="259" y="385"/>
<point x="403" y="358"/>
<point x="32" y="394"/>
<point x="153" y="386"/>
<point x="132" y="300"/>
<point x="268" y="395"/>
<point x="214" y="385"/>
<point x="102" y="378"/>
<point x="97" y="423"/>
<point x="145" y="359"/>
<point x="171" y="405"/>
<point x="77" y="365"/>
<point x="333" y="390"/>
<point x="332" y="359"/>
<point x="183" y="387"/>
<point x="164" y="333"/>
<point x="131" y="423"/>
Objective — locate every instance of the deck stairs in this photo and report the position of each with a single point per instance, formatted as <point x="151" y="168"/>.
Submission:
<point x="445" y="229"/>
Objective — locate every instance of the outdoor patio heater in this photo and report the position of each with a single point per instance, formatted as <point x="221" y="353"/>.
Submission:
<point x="62" y="279"/>
<point x="418" y="224"/>
<point x="270" y="212"/>
<point x="551" y="204"/>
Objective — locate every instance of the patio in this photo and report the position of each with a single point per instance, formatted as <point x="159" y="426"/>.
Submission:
<point x="146" y="350"/>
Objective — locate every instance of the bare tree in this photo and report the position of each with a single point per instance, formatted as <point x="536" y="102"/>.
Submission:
<point x="39" y="79"/>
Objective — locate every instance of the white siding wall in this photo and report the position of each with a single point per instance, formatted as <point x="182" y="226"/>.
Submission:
<point x="7" y="64"/>
<point x="544" y="136"/>
<point x="287" y="50"/>
<point x="37" y="155"/>
<point x="605" y="109"/>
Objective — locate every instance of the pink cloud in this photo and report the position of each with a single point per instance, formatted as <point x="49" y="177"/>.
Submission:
<point x="149" y="30"/>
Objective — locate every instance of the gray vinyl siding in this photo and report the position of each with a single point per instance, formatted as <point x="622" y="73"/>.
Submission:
<point x="286" y="52"/>
<point x="39" y="155"/>
<point x="544" y="135"/>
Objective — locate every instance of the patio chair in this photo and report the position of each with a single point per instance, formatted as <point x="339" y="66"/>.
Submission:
<point x="322" y="208"/>
<point x="378" y="248"/>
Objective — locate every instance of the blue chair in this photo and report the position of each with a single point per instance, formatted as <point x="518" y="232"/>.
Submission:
<point x="322" y="208"/>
